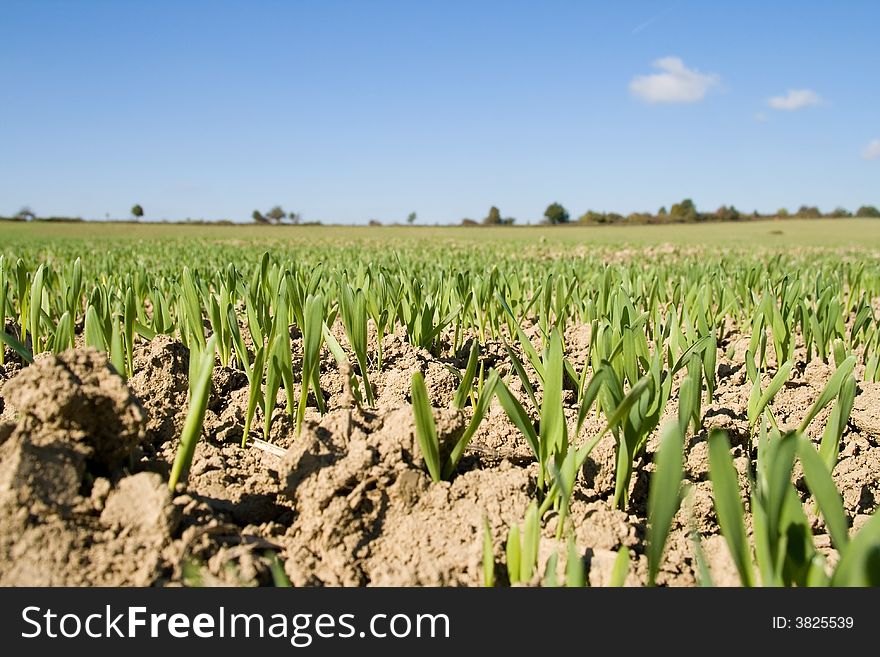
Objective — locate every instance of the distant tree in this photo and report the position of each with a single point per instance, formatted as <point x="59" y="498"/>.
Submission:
<point x="839" y="213"/>
<point x="493" y="218"/>
<point x="276" y="214"/>
<point x="808" y="212"/>
<point x="508" y="221"/>
<point x="592" y="217"/>
<point x="411" y="218"/>
<point x="725" y="213"/>
<point x="137" y="211"/>
<point x="662" y="213"/>
<point x="868" y="211"/>
<point x="374" y="222"/>
<point x="26" y="214"/>
<point x="295" y="217"/>
<point x="684" y="211"/>
<point x="638" y="218"/>
<point x="782" y="213"/>
<point x="556" y="214"/>
<point x="257" y="216"/>
<point x="469" y="222"/>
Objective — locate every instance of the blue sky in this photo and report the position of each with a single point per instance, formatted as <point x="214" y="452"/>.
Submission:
<point x="346" y="111"/>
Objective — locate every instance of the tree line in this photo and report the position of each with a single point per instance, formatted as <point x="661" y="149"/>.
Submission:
<point x="683" y="212"/>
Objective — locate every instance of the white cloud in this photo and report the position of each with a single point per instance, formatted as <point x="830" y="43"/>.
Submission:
<point x="795" y="99"/>
<point x="675" y="84"/>
<point x="872" y="150"/>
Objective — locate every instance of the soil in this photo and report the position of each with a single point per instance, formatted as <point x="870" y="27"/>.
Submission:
<point x="85" y="456"/>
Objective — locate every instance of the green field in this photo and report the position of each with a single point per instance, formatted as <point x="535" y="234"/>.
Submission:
<point x="599" y="397"/>
<point x="774" y="234"/>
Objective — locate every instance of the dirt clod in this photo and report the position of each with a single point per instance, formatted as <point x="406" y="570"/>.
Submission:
<point x="78" y="398"/>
